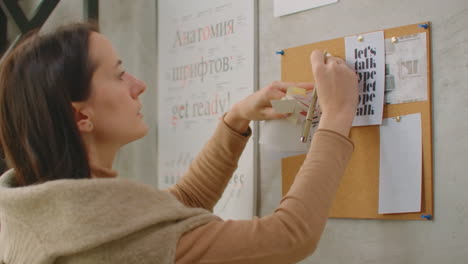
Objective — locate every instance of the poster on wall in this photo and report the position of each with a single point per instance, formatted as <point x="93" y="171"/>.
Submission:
<point x="206" y="64"/>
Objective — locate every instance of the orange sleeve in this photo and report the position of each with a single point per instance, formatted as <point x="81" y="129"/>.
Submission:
<point x="289" y="234"/>
<point x="204" y="182"/>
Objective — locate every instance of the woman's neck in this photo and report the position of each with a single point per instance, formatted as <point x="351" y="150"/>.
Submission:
<point x="102" y="172"/>
<point x="101" y="157"/>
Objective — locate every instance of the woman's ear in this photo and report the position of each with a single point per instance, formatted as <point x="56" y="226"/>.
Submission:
<point x="82" y="118"/>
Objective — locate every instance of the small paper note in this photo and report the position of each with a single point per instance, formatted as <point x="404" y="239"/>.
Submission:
<point x="296" y="102"/>
<point x="365" y="53"/>
<point x="400" y="165"/>
<point x="282" y="137"/>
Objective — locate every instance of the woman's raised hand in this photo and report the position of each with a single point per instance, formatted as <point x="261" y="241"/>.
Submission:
<point x="337" y="90"/>
<point x="257" y="106"/>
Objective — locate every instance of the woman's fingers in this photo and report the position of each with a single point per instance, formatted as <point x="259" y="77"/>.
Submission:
<point x="305" y="85"/>
<point x="283" y="86"/>
<point x="269" y="114"/>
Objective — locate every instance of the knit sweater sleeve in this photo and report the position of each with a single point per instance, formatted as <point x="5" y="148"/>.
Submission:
<point x="289" y="234"/>
<point x="209" y="173"/>
<point x="19" y="244"/>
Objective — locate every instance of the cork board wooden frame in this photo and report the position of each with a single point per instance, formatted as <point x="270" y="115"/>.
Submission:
<point x="358" y="194"/>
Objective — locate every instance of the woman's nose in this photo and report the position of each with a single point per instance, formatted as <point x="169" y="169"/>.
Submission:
<point x="140" y="87"/>
<point x="137" y="86"/>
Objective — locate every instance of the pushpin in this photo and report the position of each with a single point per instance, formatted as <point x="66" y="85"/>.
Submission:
<point x="280" y="52"/>
<point x="425" y="26"/>
<point x="360" y="38"/>
<point x="394" y="40"/>
<point x="398" y="118"/>
<point x="427" y="217"/>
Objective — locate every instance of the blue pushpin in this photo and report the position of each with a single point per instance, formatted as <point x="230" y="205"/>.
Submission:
<point x="280" y="52"/>
<point x="425" y="26"/>
<point x="427" y="217"/>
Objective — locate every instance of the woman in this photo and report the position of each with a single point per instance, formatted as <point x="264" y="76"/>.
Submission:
<point x="67" y="106"/>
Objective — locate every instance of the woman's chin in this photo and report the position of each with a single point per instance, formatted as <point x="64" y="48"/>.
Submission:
<point x="144" y="130"/>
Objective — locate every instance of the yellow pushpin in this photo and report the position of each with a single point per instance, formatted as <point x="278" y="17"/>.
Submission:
<point x="398" y="118"/>
<point x="360" y="38"/>
<point x="394" y="40"/>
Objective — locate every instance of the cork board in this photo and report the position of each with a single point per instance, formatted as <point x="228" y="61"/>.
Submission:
<point x="358" y="194"/>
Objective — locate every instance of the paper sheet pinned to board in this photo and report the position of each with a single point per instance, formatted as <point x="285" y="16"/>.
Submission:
<point x="281" y="138"/>
<point x="365" y="53"/>
<point x="400" y="180"/>
<point x="405" y="69"/>
<point x="286" y="7"/>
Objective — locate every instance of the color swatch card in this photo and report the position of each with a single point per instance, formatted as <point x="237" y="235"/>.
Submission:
<point x="400" y="180"/>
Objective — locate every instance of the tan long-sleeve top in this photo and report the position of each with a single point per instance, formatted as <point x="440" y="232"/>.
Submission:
<point x="290" y="233"/>
<point x="120" y="221"/>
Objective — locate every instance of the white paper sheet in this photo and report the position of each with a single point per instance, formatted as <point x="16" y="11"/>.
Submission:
<point x="286" y="7"/>
<point x="367" y="57"/>
<point x="400" y="165"/>
<point x="283" y="136"/>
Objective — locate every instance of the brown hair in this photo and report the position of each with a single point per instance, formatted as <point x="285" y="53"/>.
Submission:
<point x="39" y="80"/>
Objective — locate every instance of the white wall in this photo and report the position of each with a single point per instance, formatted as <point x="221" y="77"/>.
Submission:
<point x="131" y="27"/>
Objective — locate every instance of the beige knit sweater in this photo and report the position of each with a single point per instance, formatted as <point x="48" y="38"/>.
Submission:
<point x="91" y="221"/>
<point x="120" y="221"/>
